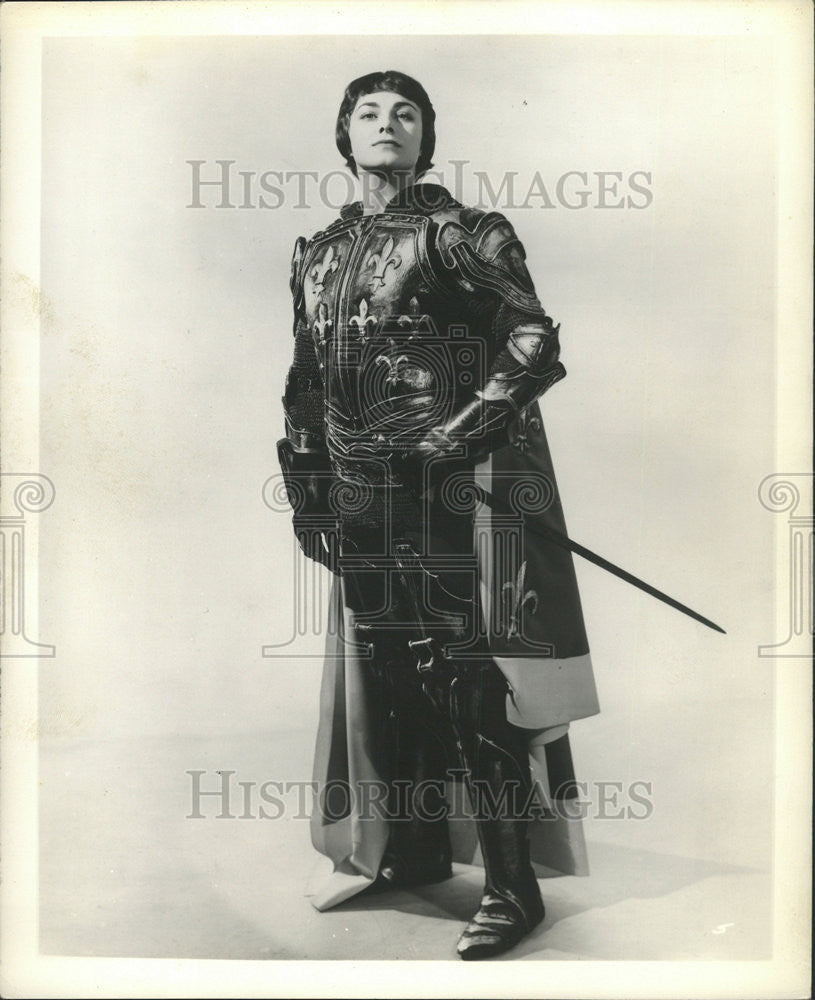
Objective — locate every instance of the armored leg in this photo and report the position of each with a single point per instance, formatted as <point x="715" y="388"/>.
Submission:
<point x="419" y="850"/>
<point x="471" y="696"/>
<point x="500" y="788"/>
<point x="411" y="740"/>
<point x="430" y="700"/>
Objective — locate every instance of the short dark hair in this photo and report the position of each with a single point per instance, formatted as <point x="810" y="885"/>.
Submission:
<point x="397" y="83"/>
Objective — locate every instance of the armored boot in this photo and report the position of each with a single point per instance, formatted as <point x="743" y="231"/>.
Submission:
<point x="418" y="850"/>
<point x="499" y="785"/>
<point x="412" y="746"/>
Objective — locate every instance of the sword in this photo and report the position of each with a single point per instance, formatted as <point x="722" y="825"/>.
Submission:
<point x="556" y="537"/>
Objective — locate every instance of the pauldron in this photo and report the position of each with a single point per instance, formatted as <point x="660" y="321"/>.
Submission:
<point x="483" y="252"/>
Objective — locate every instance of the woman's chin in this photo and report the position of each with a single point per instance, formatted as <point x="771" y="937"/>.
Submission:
<point x="388" y="163"/>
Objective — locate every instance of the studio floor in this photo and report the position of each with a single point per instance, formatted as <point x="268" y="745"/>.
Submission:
<point x="125" y="871"/>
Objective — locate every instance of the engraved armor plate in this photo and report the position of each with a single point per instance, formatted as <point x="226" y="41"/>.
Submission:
<point x="373" y="305"/>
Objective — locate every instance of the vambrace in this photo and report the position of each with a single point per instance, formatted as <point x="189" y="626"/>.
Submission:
<point x="303" y="455"/>
<point x="304" y="439"/>
<point x="522" y="371"/>
<point x="307" y="475"/>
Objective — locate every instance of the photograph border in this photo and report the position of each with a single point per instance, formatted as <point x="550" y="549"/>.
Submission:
<point x="787" y="25"/>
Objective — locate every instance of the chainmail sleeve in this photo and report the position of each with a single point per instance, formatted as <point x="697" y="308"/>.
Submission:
<point x="302" y="453"/>
<point x="304" y="396"/>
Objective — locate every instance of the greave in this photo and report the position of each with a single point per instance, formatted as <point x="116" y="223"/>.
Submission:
<point x="411" y="753"/>
<point x="499" y="785"/>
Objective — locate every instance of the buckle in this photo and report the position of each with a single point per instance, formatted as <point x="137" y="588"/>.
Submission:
<point x="425" y="656"/>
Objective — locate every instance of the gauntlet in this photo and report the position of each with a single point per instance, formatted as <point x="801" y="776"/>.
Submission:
<point x="526" y="367"/>
<point x="308" y="477"/>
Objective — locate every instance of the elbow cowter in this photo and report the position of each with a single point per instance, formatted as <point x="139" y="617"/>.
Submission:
<point x="526" y="367"/>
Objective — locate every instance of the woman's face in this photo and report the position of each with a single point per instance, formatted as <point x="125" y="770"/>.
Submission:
<point x="385" y="131"/>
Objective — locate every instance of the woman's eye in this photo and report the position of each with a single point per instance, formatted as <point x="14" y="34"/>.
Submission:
<point x="368" y="114"/>
<point x="406" y="116"/>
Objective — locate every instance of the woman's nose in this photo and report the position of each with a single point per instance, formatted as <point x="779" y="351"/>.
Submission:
<point x="386" y="128"/>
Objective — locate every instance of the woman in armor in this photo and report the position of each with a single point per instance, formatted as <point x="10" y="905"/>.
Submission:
<point x="459" y="656"/>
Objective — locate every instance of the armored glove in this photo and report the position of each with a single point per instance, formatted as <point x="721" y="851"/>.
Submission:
<point x="308" y="478"/>
<point x="526" y="367"/>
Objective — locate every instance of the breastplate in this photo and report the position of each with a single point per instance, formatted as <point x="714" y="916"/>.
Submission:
<point x="394" y="348"/>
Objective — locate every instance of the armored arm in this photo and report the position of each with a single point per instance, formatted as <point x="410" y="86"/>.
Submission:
<point x="302" y="453"/>
<point x="488" y="265"/>
<point x="526" y="367"/>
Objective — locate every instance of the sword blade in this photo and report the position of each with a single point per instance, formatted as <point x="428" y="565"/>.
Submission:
<point x="550" y="534"/>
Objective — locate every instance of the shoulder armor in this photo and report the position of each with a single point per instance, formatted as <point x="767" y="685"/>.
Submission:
<point x="303" y="249"/>
<point x="483" y="250"/>
<point x="329" y="230"/>
<point x="339" y="223"/>
<point x="295" y="278"/>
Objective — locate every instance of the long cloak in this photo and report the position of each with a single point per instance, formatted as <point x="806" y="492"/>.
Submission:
<point x="523" y="580"/>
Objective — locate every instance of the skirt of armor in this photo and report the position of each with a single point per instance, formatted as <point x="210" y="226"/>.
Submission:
<point x="410" y="580"/>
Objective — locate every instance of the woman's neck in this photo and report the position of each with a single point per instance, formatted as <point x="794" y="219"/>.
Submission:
<point x="378" y="189"/>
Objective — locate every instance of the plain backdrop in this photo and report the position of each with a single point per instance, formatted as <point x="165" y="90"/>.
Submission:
<point x="166" y="335"/>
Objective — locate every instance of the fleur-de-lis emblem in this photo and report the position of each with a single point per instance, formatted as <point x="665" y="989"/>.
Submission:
<point x="394" y="366"/>
<point x="413" y="319"/>
<point x="517" y="599"/>
<point x="362" y="319"/>
<point x="322" y="325"/>
<point x="323" y="268"/>
<point x="526" y="422"/>
<point x="381" y="261"/>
